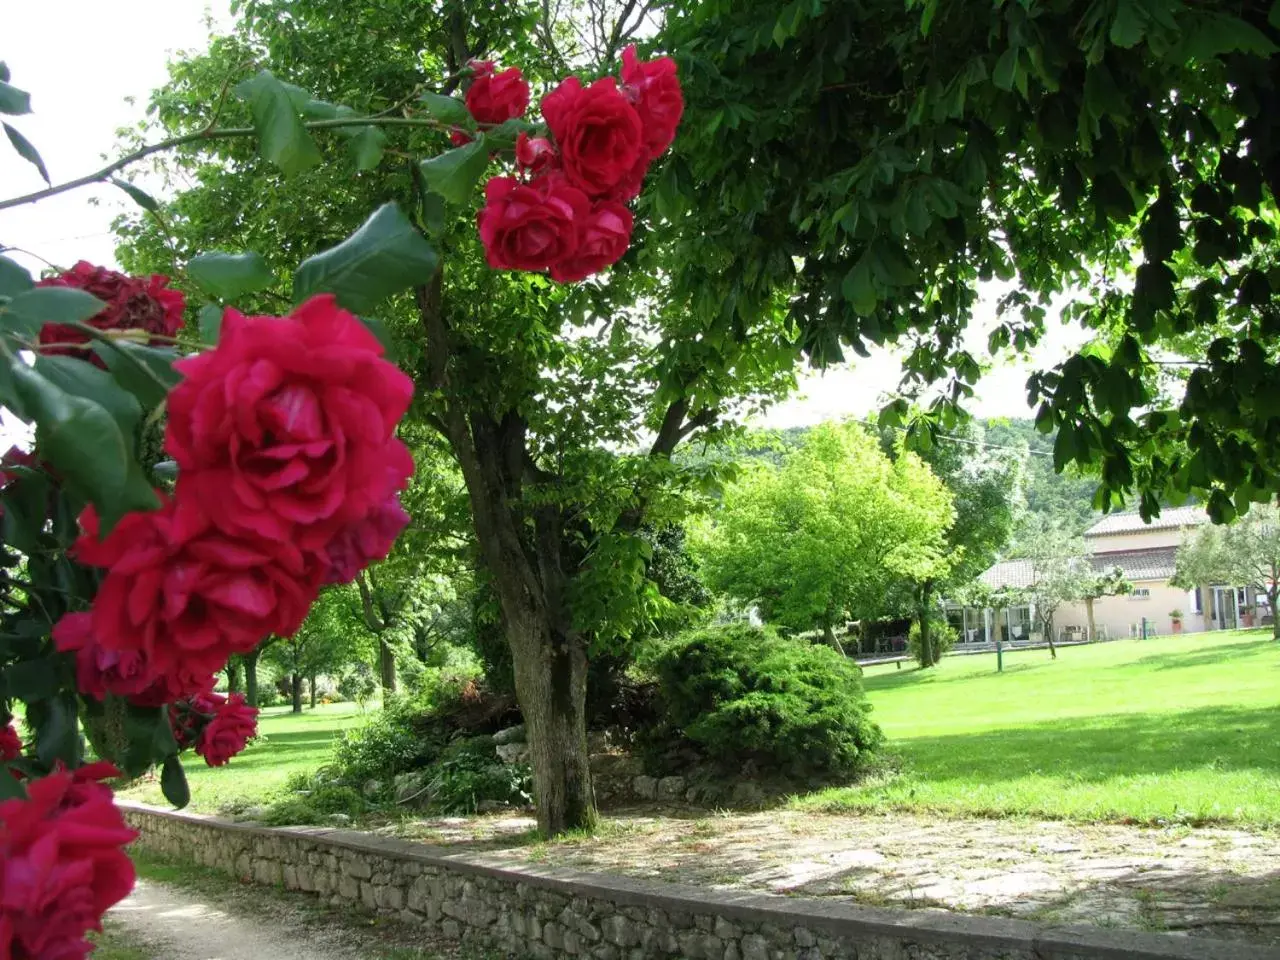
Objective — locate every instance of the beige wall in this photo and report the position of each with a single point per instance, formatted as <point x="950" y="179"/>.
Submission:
<point x="1141" y="540"/>
<point x="1117" y="613"/>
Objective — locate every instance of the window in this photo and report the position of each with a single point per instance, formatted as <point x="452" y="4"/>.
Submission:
<point x="1195" y="601"/>
<point x="1140" y="593"/>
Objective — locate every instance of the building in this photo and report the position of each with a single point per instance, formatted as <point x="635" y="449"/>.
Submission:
<point x="1145" y="554"/>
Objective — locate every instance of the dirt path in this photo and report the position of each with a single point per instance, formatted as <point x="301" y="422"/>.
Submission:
<point x="163" y="922"/>
<point x="1214" y="882"/>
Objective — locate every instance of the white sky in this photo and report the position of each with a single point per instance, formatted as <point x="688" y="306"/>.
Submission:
<point x="81" y="59"/>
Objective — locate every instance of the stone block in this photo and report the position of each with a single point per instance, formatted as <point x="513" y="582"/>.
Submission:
<point x="451" y="929"/>
<point x="357" y="867"/>
<point x="804" y="937"/>
<point x="390" y="897"/>
<point x="553" y="936"/>
<point x="646" y="788"/>
<point x="620" y="930"/>
<point x="368" y="895"/>
<point x="754" y="947"/>
<point x="726" y="930"/>
<point x="671" y="788"/>
<point x="348" y="887"/>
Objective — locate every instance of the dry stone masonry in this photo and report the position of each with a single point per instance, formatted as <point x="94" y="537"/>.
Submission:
<point x="544" y="913"/>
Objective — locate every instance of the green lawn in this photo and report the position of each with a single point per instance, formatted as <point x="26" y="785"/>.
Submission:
<point x="288" y="743"/>
<point x="1177" y="729"/>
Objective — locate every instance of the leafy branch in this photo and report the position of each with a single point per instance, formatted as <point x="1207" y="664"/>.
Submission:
<point x="203" y="136"/>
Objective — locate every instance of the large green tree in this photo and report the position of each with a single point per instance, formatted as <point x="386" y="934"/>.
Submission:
<point x="873" y="162"/>
<point x="830" y="533"/>
<point x="561" y="405"/>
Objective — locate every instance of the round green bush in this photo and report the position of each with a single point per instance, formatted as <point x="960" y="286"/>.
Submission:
<point x="942" y="637"/>
<point x="744" y="693"/>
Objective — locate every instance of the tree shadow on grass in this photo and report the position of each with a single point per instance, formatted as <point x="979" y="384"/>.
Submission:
<point x="1207" y="657"/>
<point x="1095" y="749"/>
<point x="935" y="676"/>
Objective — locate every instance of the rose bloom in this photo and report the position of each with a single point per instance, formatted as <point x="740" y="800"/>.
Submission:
<point x="496" y="97"/>
<point x="286" y="430"/>
<point x="10" y="743"/>
<point x="603" y="238"/>
<point x="356" y="546"/>
<point x="145" y="303"/>
<point x="600" y="137"/>
<point x="535" y="154"/>
<point x="655" y="89"/>
<point x="185" y="595"/>
<point x="61" y="864"/>
<point x="530" y="226"/>
<point x="232" y="726"/>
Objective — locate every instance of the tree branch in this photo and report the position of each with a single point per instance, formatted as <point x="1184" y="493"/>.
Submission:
<point x="366" y="601"/>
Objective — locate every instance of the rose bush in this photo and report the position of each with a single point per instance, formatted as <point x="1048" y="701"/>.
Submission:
<point x="131" y="303"/>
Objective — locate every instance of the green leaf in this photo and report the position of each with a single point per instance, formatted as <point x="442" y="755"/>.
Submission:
<point x="41" y="305"/>
<point x="454" y="174"/>
<point x="84" y="444"/>
<point x="13" y="100"/>
<point x="229" y="276"/>
<point x="1006" y="67"/>
<point x="85" y="380"/>
<point x="173" y="783"/>
<point x="210" y="321"/>
<point x="13" y="278"/>
<point x="10" y="787"/>
<point x="1129" y="25"/>
<point x="140" y="197"/>
<point x="33" y="679"/>
<point x="367" y="144"/>
<point x="146" y="372"/>
<point x="283" y="139"/>
<point x="859" y="289"/>
<point x="385" y="256"/>
<point x="1213" y="34"/>
<point x="448" y="110"/>
<point x="379" y="330"/>
<point x="57" y="725"/>
<point x="27" y="152"/>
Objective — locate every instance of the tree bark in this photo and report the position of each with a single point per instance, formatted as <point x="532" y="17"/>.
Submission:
<point x="311" y="684"/>
<point x="829" y="635"/>
<point x="233" y="676"/>
<point x="295" y="688"/>
<point x="251" y="676"/>
<point x="1273" y="593"/>
<point x="1088" y="612"/>
<point x="928" y="656"/>
<point x="1048" y="635"/>
<point x="386" y="665"/>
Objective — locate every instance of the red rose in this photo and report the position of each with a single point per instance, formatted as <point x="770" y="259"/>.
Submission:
<point x="100" y="671"/>
<point x="530" y="226"/>
<point x="459" y="137"/>
<point x="286" y="430"/>
<point x="599" y="135"/>
<point x="61" y="865"/>
<point x="356" y="546"/>
<point x="144" y="303"/>
<point x="10" y="743"/>
<point x="232" y="725"/>
<point x="655" y="88"/>
<point x="535" y="154"/>
<point x="603" y="237"/>
<point x="495" y="97"/>
<point x="186" y="596"/>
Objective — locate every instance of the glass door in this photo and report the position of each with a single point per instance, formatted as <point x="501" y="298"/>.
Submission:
<point x="1226" y="612"/>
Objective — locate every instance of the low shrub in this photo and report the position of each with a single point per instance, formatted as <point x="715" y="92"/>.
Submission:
<point x="315" y="806"/>
<point x="741" y="693"/>
<point x="942" y="637"/>
<point x="468" y="777"/>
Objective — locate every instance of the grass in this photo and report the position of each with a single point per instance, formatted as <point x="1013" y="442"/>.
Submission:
<point x="1175" y="730"/>
<point x="289" y="743"/>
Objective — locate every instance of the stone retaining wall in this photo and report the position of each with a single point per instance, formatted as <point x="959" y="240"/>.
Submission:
<point x="532" y="911"/>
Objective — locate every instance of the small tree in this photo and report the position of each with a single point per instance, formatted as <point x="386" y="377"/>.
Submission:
<point x="325" y="644"/>
<point x="1245" y="552"/>
<point x="1095" y="585"/>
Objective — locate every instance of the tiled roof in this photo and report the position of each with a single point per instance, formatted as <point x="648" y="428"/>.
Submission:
<point x="1010" y="573"/>
<point x="1170" y="519"/>
<point x="1156" y="564"/>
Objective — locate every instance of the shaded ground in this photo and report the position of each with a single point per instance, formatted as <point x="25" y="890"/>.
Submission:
<point x="1197" y="881"/>
<point x="200" y="915"/>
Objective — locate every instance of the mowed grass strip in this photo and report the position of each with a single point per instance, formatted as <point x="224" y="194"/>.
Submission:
<point x="289" y="743"/>
<point x="1170" y="730"/>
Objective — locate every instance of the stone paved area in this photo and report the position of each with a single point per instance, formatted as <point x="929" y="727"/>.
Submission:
<point x="1207" y="882"/>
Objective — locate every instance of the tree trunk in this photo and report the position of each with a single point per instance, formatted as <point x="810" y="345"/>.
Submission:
<point x="311" y="684"/>
<point x="829" y="635"/>
<point x="1048" y="635"/>
<point x="295" y="687"/>
<point x="551" y="687"/>
<point x="251" y="676"/>
<point x="1272" y="595"/>
<point x="1088" y="612"/>
<point x="233" y="675"/>
<point x="928" y="657"/>
<point x="386" y="666"/>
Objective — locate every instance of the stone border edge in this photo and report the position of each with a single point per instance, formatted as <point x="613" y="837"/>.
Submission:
<point x="835" y="917"/>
